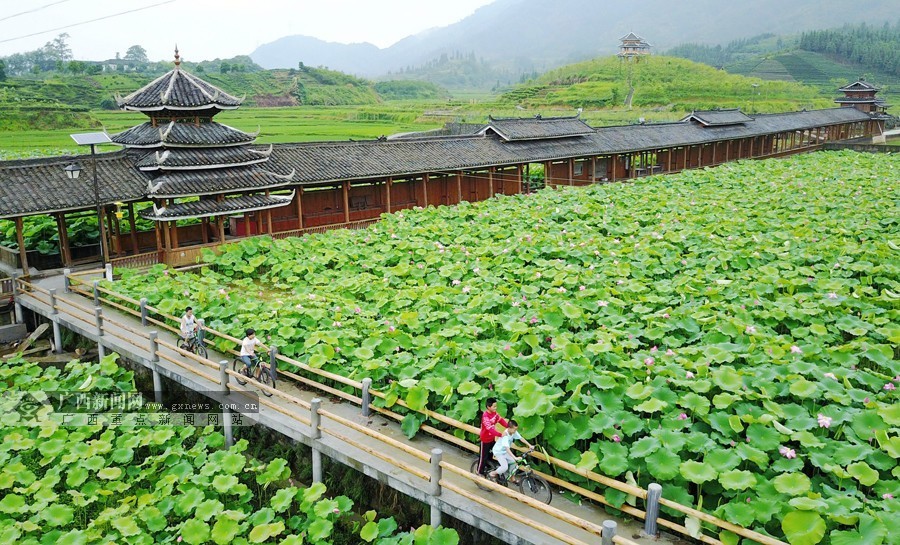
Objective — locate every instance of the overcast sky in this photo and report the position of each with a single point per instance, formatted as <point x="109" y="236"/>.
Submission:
<point x="207" y="29"/>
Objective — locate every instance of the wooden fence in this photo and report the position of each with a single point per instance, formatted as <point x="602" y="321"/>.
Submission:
<point x="332" y="384"/>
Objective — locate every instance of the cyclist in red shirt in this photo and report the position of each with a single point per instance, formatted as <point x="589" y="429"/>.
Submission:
<point x="489" y="434"/>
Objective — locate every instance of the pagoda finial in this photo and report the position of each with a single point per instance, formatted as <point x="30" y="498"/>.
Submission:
<point x="177" y="57"/>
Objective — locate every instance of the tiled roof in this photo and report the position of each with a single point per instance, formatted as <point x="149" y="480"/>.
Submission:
<point x="718" y="117"/>
<point x="630" y="37"/>
<point x="41" y="186"/>
<point x="205" y="208"/>
<point x="209" y="134"/>
<point x="534" y="128"/>
<point x="860" y="85"/>
<point x="202" y="158"/>
<point x="861" y="100"/>
<point x="188" y="183"/>
<point x="178" y="90"/>
<point x="334" y="161"/>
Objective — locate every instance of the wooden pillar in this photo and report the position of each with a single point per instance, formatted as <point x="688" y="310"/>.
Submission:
<point x="173" y="225"/>
<point x="715" y="147"/>
<point x="727" y="151"/>
<point x="615" y="166"/>
<point x="528" y="177"/>
<point x="133" y="227"/>
<point x="117" y="238"/>
<point x="204" y="228"/>
<point x="459" y="186"/>
<point x="102" y="220"/>
<point x="490" y="182"/>
<point x="168" y="235"/>
<point x="571" y="171"/>
<point x="65" y="253"/>
<point x="425" y="179"/>
<point x="593" y="168"/>
<point x="299" y="208"/>
<point x="750" y="153"/>
<point x="20" y="240"/>
<point x="159" y="243"/>
<point x="519" y="177"/>
<point x="269" y="216"/>
<point x="346" y="186"/>
<point x="387" y="193"/>
<point x="700" y="155"/>
<point x="669" y="159"/>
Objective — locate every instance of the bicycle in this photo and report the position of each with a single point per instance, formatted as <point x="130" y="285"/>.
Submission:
<point x="195" y="344"/>
<point x="254" y="372"/>
<point x="530" y="483"/>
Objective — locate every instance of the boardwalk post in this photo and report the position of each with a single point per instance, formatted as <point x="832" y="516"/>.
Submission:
<point x="223" y="376"/>
<point x="435" y="488"/>
<point x="144" y="311"/>
<point x="54" y="317"/>
<point x="108" y="272"/>
<point x="154" y="360"/>
<point x="67" y="282"/>
<point x="97" y="292"/>
<point x="98" y="315"/>
<point x="654" y="493"/>
<point x="314" y="421"/>
<point x="273" y="364"/>
<point x="366" y="396"/>
<point x="226" y="413"/>
<point x="16" y="305"/>
<point x="608" y="533"/>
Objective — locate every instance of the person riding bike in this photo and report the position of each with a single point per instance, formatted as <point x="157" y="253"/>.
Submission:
<point x="189" y="327"/>
<point x="248" y="349"/>
<point x="503" y="450"/>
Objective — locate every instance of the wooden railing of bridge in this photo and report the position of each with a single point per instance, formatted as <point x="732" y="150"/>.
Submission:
<point x="325" y="381"/>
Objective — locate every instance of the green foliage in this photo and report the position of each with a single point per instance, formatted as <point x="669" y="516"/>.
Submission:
<point x="873" y="47"/>
<point x="664" y="325"/>
<point x="83" y="484"/>
<point x="408" y="90"/>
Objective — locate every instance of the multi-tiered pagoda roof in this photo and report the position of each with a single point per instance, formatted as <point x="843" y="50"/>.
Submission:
<point x="190" y="155"/>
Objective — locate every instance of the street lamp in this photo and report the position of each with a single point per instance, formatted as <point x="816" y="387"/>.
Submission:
<point x="72" y="171"/>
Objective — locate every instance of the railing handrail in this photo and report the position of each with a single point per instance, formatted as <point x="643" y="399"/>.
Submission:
<point x="590" y="475"/>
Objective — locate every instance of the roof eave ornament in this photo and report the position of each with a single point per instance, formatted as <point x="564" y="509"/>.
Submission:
<point x="264" y="153"/>
<point x="177" y="57"/>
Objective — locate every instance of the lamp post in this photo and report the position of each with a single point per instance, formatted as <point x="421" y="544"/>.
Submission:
<point x="72" y="171"/>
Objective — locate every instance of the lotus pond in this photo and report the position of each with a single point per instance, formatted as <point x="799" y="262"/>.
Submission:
<point x="730" y="333"/>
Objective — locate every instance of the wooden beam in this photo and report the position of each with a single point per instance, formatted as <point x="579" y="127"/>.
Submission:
<point x="387" y="193"/>
<point x="490" y="182"/>
<point x="20" y="240"/>
<point x="65" y="253"/>
<point x="459" y="186"/>
<point x="104" y="242"/>
<point x="346" y="186"/>
<point x="299" y="208"/>
<point x="173" y="225"/>
<point x="425" y="179"/>
<point x="131" y="224"/>
<point x="269" y="216"/>
<point x="204" y="227"/>
<point x="571" y="171"/>
<point x="519" y="178"/>
<point x="168" y="235"/>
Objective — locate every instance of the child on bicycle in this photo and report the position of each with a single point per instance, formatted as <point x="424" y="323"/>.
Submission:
<point x="503" y="450"/>
<point x="489" y="434"/>
<point x="248" y="348"/>
<point x="189" y="327"/>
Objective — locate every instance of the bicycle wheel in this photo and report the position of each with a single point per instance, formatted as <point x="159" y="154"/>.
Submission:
<point x="264" y="378"/>
<point x="536" y="487"/>
<point x="238" y="367"/>
<point x="474" y="471"/>
<point x="200" y="350"/>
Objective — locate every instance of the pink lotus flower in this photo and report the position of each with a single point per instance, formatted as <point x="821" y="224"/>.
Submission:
<point x="165" y="273"/>
<point x="336" y="511"/>
<point x="750" y="330"/>
<point x="649" y="361"/>
<point x="684" y="261"/>
<point x="666" y="315"/>
<point x="515" y="303"/>
<point x="476" y="270"/>
<point x="392" y="329"/>
<point x="179" y="539"/>
<point x="689" y="375"/>
<point x="561" y="289"/>
<point x="602" y="303"/>
<point x="887" y="496"/>
<point x="832" y="295"/>
<point x="670" y="352"/>
<point x="654" y="349"/>
<point x="682" y="416"/>
<point x="466" y="289"/>
<point x="537" y="275"/>
<point x="534" y="319"/>
<point x="507" y="347"/>
<point x="222" y="291"/>
<point x="581" y="288"/>
<point x="796" y="349"/>
<point x="616" y="438"/>
<point x="456" y="282"/>
<point x="865" y="401"/>
<point x="336" y="324"/>
<point x="824" y="421"/>
<point x="787" y="452"/>
<point x="890" y="386"/>
<point x="830" y="375"/>
<point x="357" y="310"/>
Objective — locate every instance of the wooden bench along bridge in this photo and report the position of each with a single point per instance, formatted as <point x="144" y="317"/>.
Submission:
<point x="432" y="468"/>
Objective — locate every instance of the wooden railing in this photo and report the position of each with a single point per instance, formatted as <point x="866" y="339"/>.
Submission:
<point x="6" y="286"/>
<point x="136" y="261"/>
<point x="332" y="384"/>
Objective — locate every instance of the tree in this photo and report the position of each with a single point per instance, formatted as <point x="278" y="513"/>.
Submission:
<point x="2" y="70"/>
<point x="225" y="68"/>
<point x="58" y="49"/>
<point x="136" y="53"/>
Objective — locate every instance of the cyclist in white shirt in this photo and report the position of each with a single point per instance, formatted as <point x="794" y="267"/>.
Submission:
<point x="248" y="349"/>
<point x="188" y="327"/>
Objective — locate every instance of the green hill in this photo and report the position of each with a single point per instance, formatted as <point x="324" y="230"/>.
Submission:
<point x="661" y="83"/>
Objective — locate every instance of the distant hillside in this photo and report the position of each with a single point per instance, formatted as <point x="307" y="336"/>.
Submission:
<point x="523" y="36"/>
<point x="663" y="83"/>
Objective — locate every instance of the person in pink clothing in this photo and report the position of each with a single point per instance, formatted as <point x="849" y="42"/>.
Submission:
<point x="489" y="434"/>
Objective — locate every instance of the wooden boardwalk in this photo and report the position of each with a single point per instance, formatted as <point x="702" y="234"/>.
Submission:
<point x="374" y="445"/>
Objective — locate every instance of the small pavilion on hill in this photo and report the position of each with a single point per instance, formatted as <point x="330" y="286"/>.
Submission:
<point x="633" y="46"/>
<point x="862" y="96"/>
<point x="197" y="168"/>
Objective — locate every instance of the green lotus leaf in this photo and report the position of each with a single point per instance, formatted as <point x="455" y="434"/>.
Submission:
<point x="803" y="527"/>
<point x="283" y="498"/>
<point x="808" y="504"/>
<point x="737" y="480"/>
<point x="728" y="379"/>
<point x="651" y="406"/>
<point x="109" y="473"/>
<point x="58" y="515"/>
<point x="444" y="536"/>
<point x="224" y="531"/>
<point x="276" y="470"/>
<point x="644" y="447"/>
<point x="468" y="388"/>
<point x="126" y="526"/>
<point x="890" y="413"/>
<point x="697" y="472"/>
<point x="73" y="537"/>
<point x="803" y="388"/>
<point x="411" y="423"/>
<point x="793" y="484"/>
<point x="723" y="460"/>
<point x="871" y="532"/>
<point x="320" y="529"/>
<point x="863" y="473"/>
<point x="663" y="465"/>
<point x="224" y="484"/>
<point x="264" y="532"/>
<point x="588" y="461"/>
<point x="369" y="532"/>
<point x="208" y="509"/>
<point x="563" y="437"/>
<point x="195" y="532"/>
<point x="639" y="390"/>
<point x="13" y="503"/>
<point x="417" y="398"/>
<point x="613" y="458"/>
<point x="233" y="462"/>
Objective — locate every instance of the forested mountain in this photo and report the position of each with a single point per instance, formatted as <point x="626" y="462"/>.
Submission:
<point x="523" y="36"/>
<point x="877" y="48"/>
